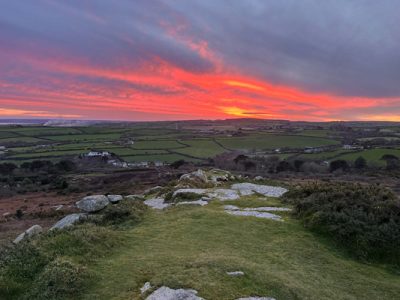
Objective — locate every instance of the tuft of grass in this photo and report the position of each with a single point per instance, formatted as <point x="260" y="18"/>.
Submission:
<point x="61" y="279"/>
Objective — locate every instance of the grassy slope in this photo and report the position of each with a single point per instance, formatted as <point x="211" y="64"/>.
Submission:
<point x="193" y="247"/>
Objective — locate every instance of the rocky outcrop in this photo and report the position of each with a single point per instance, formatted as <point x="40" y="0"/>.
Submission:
<point x="115" y="198"/>
<point x="166" y="293"/>
<point x="218" y="194"/>
<point x="134" y="197"/>
<point x="156" y="203"/>
<point x="69" y="220"/>
<point x="212" y="177"/>
<point x="258" y="212"/>
<point x="93" y="203"/>
<point x="247" y="188"/>
<point x="32" y="231"/>
<point x="196" y="202"/>
<point x="224" y="194"/>
<point x="198" y="176"/>
<point x="185" y="193"/>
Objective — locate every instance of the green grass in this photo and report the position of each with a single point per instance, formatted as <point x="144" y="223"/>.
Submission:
<point x="274" y="141"/>
<point x="373" y="156"/>
<point x="40" y="131"/>
<point x="201" y="148"/>
<point x="159" y="144"/>
<point x="85" y="137"/>
<point x="323" y="155"/>
<point x="194" y="247"/>
<point x="22" y="139"/>
<point x="168" y="158"/>
<point x="129" y="151"/>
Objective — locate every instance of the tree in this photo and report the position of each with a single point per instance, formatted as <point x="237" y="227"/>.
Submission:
<point x="177" y="164"/>
<point x="392" y="161"/>
<point x="297" y="164"/>
<point x="360" y="163"/>
<point x="65" y="165"/>
<point x="7" y="168"/>
<point x="339" y="164"/>
<point x="284" y="166"/>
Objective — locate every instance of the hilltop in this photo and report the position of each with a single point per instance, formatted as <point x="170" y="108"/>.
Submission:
<point x="208" y="235"/>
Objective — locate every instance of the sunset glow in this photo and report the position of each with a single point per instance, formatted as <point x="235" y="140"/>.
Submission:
<point x="160" y="61"/>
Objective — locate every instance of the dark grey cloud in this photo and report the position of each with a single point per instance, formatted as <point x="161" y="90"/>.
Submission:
<point x="342" y="47"/>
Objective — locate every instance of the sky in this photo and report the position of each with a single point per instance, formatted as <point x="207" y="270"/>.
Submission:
<point x="200" y="59"/>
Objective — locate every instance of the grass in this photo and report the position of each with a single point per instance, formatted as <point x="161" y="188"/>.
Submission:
<point x="194" y="247"/>
<point x="274" y="141"/>
<point x="169" y="158"/>
<point x="157" y="144"/>
<point x="201" y="148"/>
<point x="85" y="137"/>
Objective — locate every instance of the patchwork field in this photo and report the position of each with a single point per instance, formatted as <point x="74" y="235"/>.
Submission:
<point x="147" y="142"/>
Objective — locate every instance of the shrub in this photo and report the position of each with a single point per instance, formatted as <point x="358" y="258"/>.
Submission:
<point x="339" y="164"/>
<point x="365" y="219"/>
<point x="18" y="267"/>
<point x="61" y="279"/>
<point x="360" y="163"/>
<point x="126" y="210"/>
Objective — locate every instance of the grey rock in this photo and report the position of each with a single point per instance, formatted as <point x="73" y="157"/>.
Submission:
<point x="224" y="194"/>
<point x="196" y="202"/>
<point x="257" y="214"/>
<point x="166" y="293"/>
<point x="258" y="178"/>
<point x="32" y="231"/>
<point x="235" y="273"/>
<point x="156" y="203"/>
<point x="69" y="220"/>
<point x="134" y="197"/>
<point x="267" y="208"/>
<point x="92" y="203"/>
<point x="247" y="188"/>
<point x="183" y="192"/>
<point x="115" y="198"/>
<point x="145" y="288"/>
<point x="196" y="176"/>
<point x="230" y="207"/>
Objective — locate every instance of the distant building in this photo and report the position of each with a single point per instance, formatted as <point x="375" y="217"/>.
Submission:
<point x="352" y="147"/>
<point x="98" y="154"/>
<point x="310" y="150"/>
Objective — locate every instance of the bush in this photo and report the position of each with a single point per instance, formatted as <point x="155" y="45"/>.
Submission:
<point x="19" y="265"/>
<point x="360" y="163"/>
<point x="339" y="164"/>
<point x="365" y="219"/>
<point x="125" y="210"/>
<point x="61" y="279"/>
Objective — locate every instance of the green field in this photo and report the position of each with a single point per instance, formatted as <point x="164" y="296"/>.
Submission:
<point x="274" y="141"/>
<point x="168" y="158"/>
<point x="159" y="144"/>
<point x="201" y="148"/>
<point x="85" y="137"/>
<point x="373" y="156"/>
